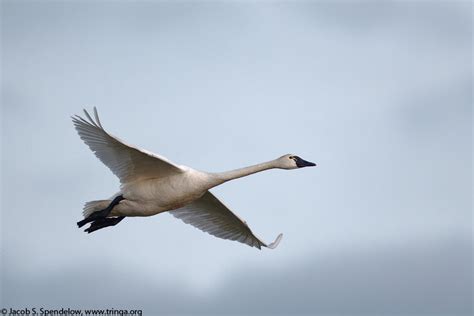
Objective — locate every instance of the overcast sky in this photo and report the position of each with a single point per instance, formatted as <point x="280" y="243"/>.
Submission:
<point x="379" y="95"/>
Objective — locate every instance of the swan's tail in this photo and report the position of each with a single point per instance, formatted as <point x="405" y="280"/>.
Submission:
<point x="94" y="206"/>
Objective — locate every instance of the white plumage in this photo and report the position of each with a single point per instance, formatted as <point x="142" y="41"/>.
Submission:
<point x="151" y="184"/>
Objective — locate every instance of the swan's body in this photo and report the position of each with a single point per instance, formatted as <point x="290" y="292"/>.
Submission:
<point x="152" y="196"/>
<point x="151" y="184"/>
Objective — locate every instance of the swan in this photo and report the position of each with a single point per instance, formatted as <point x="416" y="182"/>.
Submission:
<point x="151" y="184"/>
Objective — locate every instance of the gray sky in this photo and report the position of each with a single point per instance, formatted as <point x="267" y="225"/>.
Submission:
<point x="379" y="95"/>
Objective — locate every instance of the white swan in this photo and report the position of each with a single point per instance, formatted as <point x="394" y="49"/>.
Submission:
<point x="151" y="184"/>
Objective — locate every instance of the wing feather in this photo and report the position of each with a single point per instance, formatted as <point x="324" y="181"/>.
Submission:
<point x="127" y="162"/>
<point x="212" y="216"/>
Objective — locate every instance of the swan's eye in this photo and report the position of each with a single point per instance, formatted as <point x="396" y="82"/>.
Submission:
<point x="291" y="157"/>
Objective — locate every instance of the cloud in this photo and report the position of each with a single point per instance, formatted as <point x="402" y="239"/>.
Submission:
<point x="375" y="93"/>
<point x="430" y="278"/>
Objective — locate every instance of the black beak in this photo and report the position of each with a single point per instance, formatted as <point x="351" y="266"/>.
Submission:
<point x="300" y="163"/>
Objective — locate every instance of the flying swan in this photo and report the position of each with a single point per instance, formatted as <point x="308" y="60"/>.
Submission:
<point x="151" y="184"/>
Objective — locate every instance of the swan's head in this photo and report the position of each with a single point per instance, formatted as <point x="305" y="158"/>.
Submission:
<point x="293" y="162"/>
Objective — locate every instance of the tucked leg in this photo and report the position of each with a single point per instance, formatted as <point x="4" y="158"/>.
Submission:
<point x="101" y="214"/>
<point x="104" y="222"/>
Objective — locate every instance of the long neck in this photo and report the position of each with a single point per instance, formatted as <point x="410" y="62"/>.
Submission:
<point x="242" y="172"/>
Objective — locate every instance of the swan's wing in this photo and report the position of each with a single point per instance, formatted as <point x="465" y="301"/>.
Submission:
<point x="212" y="216"/>
<point x="125" y="161"/>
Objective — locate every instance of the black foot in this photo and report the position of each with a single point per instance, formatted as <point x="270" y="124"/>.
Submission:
<point x="101" y="214"/>
<point x="104" y="222"/>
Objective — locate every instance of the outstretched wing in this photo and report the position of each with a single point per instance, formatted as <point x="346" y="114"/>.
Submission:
<point x="125" y="161"/>
<point x="212" y="216"/>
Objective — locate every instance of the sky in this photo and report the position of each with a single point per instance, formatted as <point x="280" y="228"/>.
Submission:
<point x="378" y="94"/>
